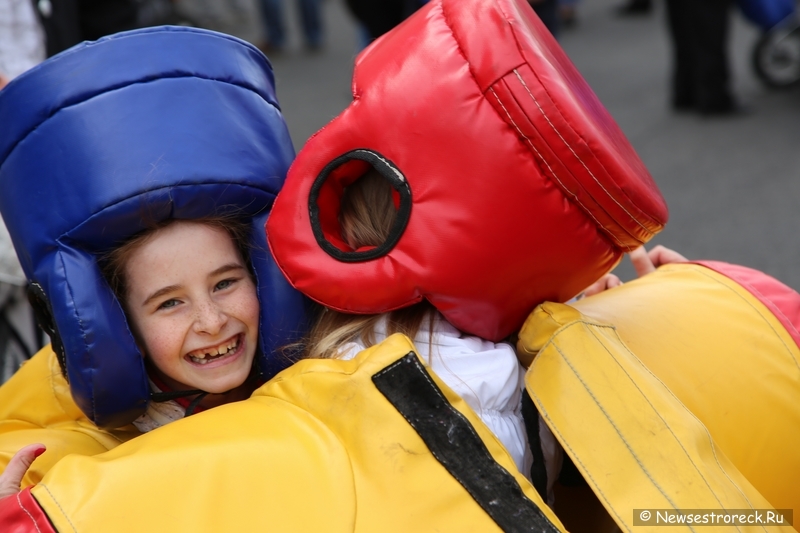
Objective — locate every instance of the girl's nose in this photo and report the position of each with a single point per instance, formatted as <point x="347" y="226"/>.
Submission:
<point x="210" y="318"/>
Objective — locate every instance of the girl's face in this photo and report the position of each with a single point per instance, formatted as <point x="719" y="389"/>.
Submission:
<point x="193" y="305"/>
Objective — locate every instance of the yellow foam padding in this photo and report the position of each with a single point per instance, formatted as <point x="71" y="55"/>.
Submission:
<point x="679" y="390"/>
<point x="37" y="407"/>
<point x="318" y="448"/>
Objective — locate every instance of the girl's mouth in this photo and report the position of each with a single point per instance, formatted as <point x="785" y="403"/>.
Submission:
<point x="214" y="353"/>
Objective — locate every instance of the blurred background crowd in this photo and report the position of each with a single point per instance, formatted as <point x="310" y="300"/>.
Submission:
<point x="709" y="97"/>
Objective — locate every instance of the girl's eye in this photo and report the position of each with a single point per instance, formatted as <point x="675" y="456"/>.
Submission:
<point x="224" y="284"/>
<point x="169" y="304"/>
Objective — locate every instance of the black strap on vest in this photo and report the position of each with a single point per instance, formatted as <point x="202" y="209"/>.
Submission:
<point x="454" y="443"/>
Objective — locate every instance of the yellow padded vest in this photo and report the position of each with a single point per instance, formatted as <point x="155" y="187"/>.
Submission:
<point x="327" y="445"/>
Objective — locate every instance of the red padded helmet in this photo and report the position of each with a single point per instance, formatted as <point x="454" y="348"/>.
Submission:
<point x="515" y="185"/>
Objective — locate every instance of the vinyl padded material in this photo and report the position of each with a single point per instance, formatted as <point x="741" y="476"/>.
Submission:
<point x="109" y="136"/>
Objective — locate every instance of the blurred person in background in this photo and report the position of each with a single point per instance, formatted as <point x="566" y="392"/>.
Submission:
<point x="98" y="18"/>
<point x="548" y="12"/>
<point x="68" y="22"/>
<point x="635" y="7"/>
<point x="275" y="25"/>
<point x="377" y="18"/>
<point x="32" y="30"/>
<point x="240" y="18"/>
<point x="700" y="75"/>
<point x="698" y="31"/>
<point x="568" y="13"/>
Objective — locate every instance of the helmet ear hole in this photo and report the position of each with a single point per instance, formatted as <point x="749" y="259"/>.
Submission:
<point x="327" y="210"/>
<point x="44" y="317"/>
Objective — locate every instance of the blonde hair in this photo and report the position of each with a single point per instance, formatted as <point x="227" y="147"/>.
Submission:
<point x="366" y="218"/>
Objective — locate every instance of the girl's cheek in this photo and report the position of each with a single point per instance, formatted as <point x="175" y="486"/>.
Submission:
<point x="163" y="336"/>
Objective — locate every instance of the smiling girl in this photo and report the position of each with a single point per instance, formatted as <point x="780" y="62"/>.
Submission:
<point x="191" y="302"/>
<point x="193" y="306"/>
<point x="135" y="186"/>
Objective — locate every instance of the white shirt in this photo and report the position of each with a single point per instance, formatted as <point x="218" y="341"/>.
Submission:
<point x="158" y="414"/>
<point x="485" y="374"/>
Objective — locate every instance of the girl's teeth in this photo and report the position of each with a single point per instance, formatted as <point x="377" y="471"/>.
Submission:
<point x="203" y="359"/>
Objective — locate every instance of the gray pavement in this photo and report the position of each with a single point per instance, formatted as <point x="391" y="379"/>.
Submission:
<point x="732" y="184"/>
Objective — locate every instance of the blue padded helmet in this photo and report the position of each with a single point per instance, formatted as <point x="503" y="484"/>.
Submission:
<point x="169" y="122"/>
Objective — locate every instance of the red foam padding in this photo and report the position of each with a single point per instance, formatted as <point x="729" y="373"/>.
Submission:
<point x="523" y="187"/>
<point x="20" y="513"/>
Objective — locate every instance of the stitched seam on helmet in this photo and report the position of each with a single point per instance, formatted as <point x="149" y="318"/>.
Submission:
<point x="77" y="316"/>
<point x="391" y="166"/>
<point x="527" y="89"/>
<point x="552" y="172"/>
<point x="555" y="103"/>
<point x="472" y="74"/>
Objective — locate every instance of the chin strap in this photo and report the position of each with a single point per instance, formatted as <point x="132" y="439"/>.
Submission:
<point x="172" y="395"/>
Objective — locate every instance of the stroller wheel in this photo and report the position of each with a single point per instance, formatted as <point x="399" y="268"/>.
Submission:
<point x="776" y="57"/>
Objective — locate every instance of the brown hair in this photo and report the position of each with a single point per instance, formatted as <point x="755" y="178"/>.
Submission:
<point x="366" y="218"/>
<point x="112" y="264"/>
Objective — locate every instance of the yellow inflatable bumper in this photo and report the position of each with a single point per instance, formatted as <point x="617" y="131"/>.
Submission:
<point x="680" y="390"/>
